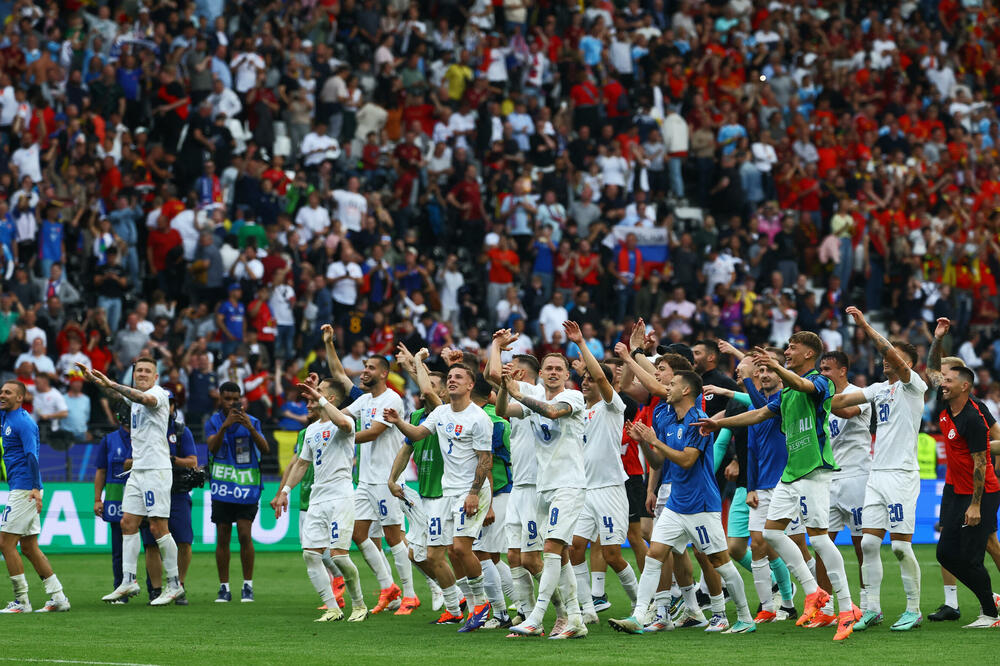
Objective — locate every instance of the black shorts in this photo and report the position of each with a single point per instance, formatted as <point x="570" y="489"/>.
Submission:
<point x="635" y="489"/>
<point x="227" y="513"/>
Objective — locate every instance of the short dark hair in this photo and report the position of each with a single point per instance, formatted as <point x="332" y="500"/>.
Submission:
<point x="838" y="357"/>
<point x="677" y="363"/>
<point x="463" y="366"/>
<point x="230" y="387"/>
<point x="21" y="388"/>
<point x="336" y="390"/>
<point x="711" y="347"/>
<point x="380" y="361"/>
<point x="809" y="339"/>
<point x="908" y="349"/>
<point x="481" y="389"/>
<point x="530" y="361"/>
<point x="437" y="373"/>
<point x="692" y="379"/>
<point x="966" y="375"/>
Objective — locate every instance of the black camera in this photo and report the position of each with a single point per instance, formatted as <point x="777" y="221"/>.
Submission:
<point x="187" y="479"/>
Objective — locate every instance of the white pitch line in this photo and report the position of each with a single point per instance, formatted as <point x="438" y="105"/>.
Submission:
<point x="71" y="661"/>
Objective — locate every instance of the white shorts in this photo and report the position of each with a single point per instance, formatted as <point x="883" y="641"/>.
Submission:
<point x="891" y="501"/>
<point x="374" y="502"/>
<point x="446" y="519"/>
<point x="147" y="493"/>
<point x="329" y="524"/>
<point x="521" y="522"/>
<point x="662" y="495"/>
<point x="807" y="498"/>
<point x="302" y="522"/>
<point x="414" y="508"/>
<point x="20" y="515"/>
<point x="604" y="516"/>
<point x="493" y="537"/>
<point x="703" y="530"/>
<point x="847" y="498"/>
<point x="758" y="516"/>
<point x="558" y="510"/>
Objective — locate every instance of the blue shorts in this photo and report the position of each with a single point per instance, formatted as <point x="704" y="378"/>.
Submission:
<point x="738" y="525"/>
<point x="179" y="522"/>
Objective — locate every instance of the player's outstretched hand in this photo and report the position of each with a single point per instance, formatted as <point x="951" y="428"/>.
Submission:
<point x="708" y="426"/>
<point x="327" y="333"/>
<point x="452" y="356"/>
<point x="942" y="328"/>
<point x="857" y="315"/>
<point x="573" y="333"/>
<point x="309" y="390"/>
<point x="638" y="334"/>
<point x="621" y="350"/>
<point x="711" y="390"/>
<point x="391" y="415"/>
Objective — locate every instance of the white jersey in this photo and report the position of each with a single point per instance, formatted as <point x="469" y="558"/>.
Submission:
<point x="898" y="408"/>
<point x="149" y="432"/>
<point x="461" y="435"/>
<point x="602" y="443"/>
<point x="378" y="455"/>
<point x="852" y="441"/>
<point x="523" y="461"/>
<point x="331" y="451"/>
<point x="559" y="445"/>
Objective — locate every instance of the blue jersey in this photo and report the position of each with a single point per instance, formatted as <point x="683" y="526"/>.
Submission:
<point x="8" y="231"/>
<point x="50" y="238"/>
<point x="693" y="490"/>
<point x="235" y="467"/>
<point x="115" y="448"/>
<point x="296" y="408"/>
<point x="181" y="446"/>
<point x="19" y="450"/>
<point x="665" y="426"/>
<point x="232" y="318"/>
<point x="766" y="452"/>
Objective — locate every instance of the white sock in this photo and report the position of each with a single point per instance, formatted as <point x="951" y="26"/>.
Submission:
<point x="690" y="594"/>
<point x="506" y="581"/>
<point x="811" y="563"/>
<point x="130" y="556"/>
<point x="871" y="569"/>
<point x="249" y="583"/>
<point x="54" y="588"/>
<point x="452" y="599"/>
<point x="648" y="582"/>
<point x="379" y="565"/>
<point x="20" y="584"/>
<point x="951" y="596"/>
<point x="583" y="593"/>
<point x="718" y="604"/>
<point x="734" y="582"/>
<point x="331" y="566"/>
<point x="862" y="599"/>
<point x="523" y="590"/>
<point x="385" y="561"/>
<point x="834" y="563"/>
<point x="547" y="583"/>
<point x="352" y="579"/>
<point x="790" y="553"/>
<point x="628" y="581"/>
<point x="702" y="585"/>
<point x="493" y="589"/>
<point x="662" y="602"/>
<point x="168" y="551"/>
<point x="463" y="585"/>
<point x="224" y="586"/>
<point x="910" y="570"/>
<point x="762" y="583"/>
<point x="317" y="576"/>
<point x="478" y="589"/>
<point x="401" y="556"/>
<point x="596" y="583"/>
<point x="567" y="590"/>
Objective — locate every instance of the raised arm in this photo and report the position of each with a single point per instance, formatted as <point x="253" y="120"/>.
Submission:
<point x="547" y="409"/>
<point x="333" y="360"/>
<point x="573" y="334"/>
<point x="645" y="378"/>
<point x="789" y="379"/>
<point x="739" y="420"/>
<point x="343" y="422"/>
<point x="936" y="351"/>
<point x="842" y="401"/>
<point x="504" y="408"/>
<point x="413" y="432"/>
<point x="424" y="380"/>
<point x="127" y="392"/>
<point x="883" y="346"/>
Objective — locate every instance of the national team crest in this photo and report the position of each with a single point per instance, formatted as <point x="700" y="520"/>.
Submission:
<point x="458" y="430"/>
<point x="450" y="428"/>
<point x="326" y="434"/>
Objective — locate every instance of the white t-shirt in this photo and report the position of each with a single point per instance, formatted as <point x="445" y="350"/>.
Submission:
<point x="245" y="67"/>
<point x="898" y="408"/>
<point x="523" y="461"/>
<point x="312" y="221"/>
<point x="551" y="318"/>
<point x="331" y="451"/>
<point x="351" y="207"/>
<point x="50" y="402"/>
<point x="602" y="443"/>
<point x="344" y="292"/>
<point x="378" y="455"/>
<point x="42" y="363"/>
<point x="67" y="362"/>
<point x="149" y="432"/>
<point x="460" y="436"/>
<point x="281" y="301"/>
<point x="317" y="142"/>
<point x="559" y="445"/>
<point x="27" y="161"/>
<point x="852" y="441"/>
<point x="184" y="223"/>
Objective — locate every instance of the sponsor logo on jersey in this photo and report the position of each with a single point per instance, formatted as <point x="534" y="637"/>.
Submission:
<point x="450" y="428"/>
<point x="951" y="434"/>
<point x="6" y="433"/>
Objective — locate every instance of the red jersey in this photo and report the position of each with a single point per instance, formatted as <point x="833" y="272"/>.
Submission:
<point x="966" y="433"/>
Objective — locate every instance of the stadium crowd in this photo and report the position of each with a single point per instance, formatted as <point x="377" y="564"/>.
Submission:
<point x="209" y="182"/>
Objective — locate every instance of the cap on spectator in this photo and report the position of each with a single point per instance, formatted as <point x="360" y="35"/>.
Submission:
<point x="307" y="44"/>
<point x="235" y="286"/>
<point x="681" y="349"/>
<point x="492" y="239"/>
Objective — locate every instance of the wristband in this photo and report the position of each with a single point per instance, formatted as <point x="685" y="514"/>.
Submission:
<point x="637" y="351"/>
<point x="323" y="402"/>
<point x="287" y="490"/>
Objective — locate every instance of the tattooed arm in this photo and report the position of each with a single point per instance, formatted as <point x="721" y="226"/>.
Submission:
<point x="484" y="463"/>
<point x="936" y="351"/>
<point x="127" y="392"/>
<point x="972" y="516"/>
<point x="883" y="346"/>
<point x="546" y="409"/>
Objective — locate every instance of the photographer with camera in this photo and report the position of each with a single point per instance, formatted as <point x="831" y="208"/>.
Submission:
<point x="235" y="445"/>
<point x="187" y="475"/>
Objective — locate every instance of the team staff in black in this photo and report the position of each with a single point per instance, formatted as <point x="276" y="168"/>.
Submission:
<point x="971" y="493"/>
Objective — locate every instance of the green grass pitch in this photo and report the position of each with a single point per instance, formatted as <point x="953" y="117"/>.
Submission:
<point x="279" y="629"/>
